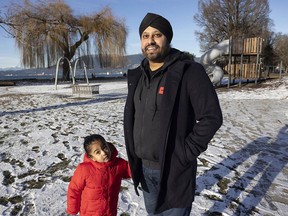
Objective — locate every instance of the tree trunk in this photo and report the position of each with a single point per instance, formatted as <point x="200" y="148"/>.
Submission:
<point x="66" y="68"/>
<point x="66" y="71"/>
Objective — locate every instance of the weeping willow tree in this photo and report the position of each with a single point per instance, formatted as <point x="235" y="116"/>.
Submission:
<point x="45" y="31"/>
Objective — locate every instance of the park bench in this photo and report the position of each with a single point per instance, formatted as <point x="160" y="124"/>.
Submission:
<point x="85" y="90"/>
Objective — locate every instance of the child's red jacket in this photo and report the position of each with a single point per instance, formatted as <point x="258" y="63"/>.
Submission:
<point x="94" y="187"/>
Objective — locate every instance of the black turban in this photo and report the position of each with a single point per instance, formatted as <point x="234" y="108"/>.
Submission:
<point x="158" y="22"/>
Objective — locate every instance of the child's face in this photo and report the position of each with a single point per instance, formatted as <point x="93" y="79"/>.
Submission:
<point x="100" y="152"/>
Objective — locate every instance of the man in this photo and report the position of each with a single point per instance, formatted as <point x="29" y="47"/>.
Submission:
<point x="171" y="114"/>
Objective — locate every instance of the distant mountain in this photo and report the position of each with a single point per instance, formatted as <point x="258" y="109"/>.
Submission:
<point x="94" y="70"/>
<point x="135" y="59"/>
<point x="11" y="69"/>
<point x="92" y="61"/>
<point x="132" y="60"/>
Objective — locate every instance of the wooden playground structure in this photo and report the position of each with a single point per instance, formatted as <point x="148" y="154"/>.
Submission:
<point x="245" y="60"/>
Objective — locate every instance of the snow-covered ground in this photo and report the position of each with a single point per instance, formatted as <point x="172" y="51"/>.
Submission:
<point x="243" y="172"/>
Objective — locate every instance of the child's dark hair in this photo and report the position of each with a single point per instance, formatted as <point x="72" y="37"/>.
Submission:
<point x="91" y="138"/>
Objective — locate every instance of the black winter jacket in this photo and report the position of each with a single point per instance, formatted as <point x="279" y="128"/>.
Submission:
<point x="190" y="116"/>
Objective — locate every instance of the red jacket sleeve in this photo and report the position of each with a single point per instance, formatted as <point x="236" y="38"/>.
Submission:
<point x="127" y="172"/>
<point x="75" y="189"/>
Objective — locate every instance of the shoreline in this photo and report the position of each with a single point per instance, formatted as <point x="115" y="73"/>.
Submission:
<point x="16" y="82"/>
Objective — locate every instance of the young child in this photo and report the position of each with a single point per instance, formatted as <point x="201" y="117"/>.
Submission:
<point x="95" y="185"/>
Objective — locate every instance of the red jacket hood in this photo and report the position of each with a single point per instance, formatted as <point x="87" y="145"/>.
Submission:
<point x="114" y="154"/>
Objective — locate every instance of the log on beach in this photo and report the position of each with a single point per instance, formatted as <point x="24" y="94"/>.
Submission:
<point x="7" y="83"/>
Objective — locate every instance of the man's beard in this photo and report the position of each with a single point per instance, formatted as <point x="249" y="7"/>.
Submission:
<point x="156" y="56"/>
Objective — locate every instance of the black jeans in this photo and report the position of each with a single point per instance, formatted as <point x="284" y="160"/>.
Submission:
<point x="152" y="178"/>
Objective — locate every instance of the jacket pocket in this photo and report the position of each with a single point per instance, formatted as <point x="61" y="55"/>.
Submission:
<point x="180" y="153"/>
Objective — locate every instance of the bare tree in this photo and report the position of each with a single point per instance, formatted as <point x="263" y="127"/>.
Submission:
<point x="47" y="30"/>
<point x="280" y="47"/>
<point x="220" y="19"/>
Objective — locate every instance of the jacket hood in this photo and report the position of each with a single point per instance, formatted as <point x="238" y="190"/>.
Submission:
<point x="173" y="56"/>
<point x="114" y="154"/>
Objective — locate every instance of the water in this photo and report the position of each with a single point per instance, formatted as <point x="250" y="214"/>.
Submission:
<point x="49" y="74"/>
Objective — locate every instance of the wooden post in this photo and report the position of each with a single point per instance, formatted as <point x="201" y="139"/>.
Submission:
<point x="280" y="72"/>
<point x="229" y="64"/>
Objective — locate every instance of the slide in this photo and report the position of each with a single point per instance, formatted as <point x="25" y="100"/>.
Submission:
<point x="208" y="61"/>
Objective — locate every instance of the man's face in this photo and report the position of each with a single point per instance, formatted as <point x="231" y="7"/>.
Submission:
<point x="154" y="45"/>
